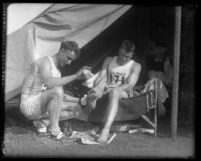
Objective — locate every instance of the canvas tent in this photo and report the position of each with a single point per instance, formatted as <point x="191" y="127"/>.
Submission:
<point x="16" y="17"/>
<point x="42" y="36"/>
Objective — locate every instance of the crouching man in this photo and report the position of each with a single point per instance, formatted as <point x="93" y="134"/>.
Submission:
<point x="117" y="77"/>
<point x="42" y="96"/>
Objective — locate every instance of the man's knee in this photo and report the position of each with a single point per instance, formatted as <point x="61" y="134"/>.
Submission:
<point x="117" y="94"/>
<point x="114" y="93"/>
<point x="57" y="94"/>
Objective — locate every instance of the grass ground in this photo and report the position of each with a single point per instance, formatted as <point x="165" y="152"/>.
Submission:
<point x="20" y="140"/>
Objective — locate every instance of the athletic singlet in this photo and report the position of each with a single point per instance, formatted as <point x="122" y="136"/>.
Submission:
<point x="55" y="71"/>
<point x="118" y="74"/>
<point x="39" y="85"/>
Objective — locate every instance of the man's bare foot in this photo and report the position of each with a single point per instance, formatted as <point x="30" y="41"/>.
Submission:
<point x="91" y="101"/>
<point x="91" y="97"/>
<point x="104" y="136"/>
<point x="102" y="139"/>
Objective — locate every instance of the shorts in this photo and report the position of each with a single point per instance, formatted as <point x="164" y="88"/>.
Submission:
<point x="30" y="106"/>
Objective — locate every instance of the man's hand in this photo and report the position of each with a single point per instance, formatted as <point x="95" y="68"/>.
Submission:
<point x="80" y="72"/>
<point x="87" y="74"/>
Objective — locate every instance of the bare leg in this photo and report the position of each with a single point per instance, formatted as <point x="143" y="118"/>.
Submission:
<point x="54" y="113"/>
<point x="68" y="110"/>
<point x="64" y="115"/>
<point x="68" y="98"/>
<point x="112" y="108"/>
<point x="52" y="100"/>
<point x="78" y="112"/>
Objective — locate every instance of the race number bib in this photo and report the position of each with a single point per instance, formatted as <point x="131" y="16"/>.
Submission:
<point x="117" y="78"/>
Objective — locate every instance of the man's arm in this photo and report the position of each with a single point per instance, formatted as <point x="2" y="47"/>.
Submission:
<point x="132" y="79"/>
<point x="45" y="71"/>
<point x="102" y="77"/>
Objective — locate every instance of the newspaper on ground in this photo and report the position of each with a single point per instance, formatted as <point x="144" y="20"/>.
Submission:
<point x="141" y="130"/>
<point x="90" y="137"/>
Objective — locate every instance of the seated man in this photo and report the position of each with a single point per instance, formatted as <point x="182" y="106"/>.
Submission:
<point x="117" y="77"/>
<point x="42" y="95"/>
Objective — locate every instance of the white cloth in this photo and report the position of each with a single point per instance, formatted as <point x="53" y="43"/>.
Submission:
<point x="89" y="82"/>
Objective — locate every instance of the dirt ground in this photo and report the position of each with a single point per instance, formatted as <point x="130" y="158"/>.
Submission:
<point x="20" y="140"/>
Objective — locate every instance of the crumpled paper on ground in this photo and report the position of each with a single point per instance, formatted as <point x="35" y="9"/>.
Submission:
<point x="135" y="129"/>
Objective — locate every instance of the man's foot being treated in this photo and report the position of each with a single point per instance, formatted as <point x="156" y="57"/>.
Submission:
<point x="91" y="101"/>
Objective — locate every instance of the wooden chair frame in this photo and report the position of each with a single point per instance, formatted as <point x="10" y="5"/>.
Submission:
<point x="153" y="105"/>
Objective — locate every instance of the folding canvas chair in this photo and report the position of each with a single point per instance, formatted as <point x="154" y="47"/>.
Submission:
<point x="131" y="109"/>
<point x="152" y="104"/>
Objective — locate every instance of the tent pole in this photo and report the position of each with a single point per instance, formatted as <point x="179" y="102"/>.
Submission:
<point x="176" y="58"/>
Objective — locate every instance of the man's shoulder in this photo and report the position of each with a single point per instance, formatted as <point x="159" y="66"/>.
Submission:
<point x="136" y="65"/>
<point x="43" y="61"/>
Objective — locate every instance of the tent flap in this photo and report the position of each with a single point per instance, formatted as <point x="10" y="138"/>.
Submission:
<point x="43" y="35"/>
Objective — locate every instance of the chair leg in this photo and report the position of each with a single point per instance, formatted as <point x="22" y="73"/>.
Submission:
<point x="155" y="122"/>
<point x="148" y="120"/>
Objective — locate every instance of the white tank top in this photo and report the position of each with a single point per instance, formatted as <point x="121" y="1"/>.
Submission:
<point x="30" y="88"/>
<point x="55" y="71"/>
<point x="118" y="74"/>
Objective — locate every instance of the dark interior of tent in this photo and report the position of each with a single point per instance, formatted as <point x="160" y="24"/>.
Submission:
<point x="137" y="24"/>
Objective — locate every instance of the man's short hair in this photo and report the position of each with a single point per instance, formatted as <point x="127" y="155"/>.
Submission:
<point x="71" y="45"/>
<point x="128" y="46"/>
